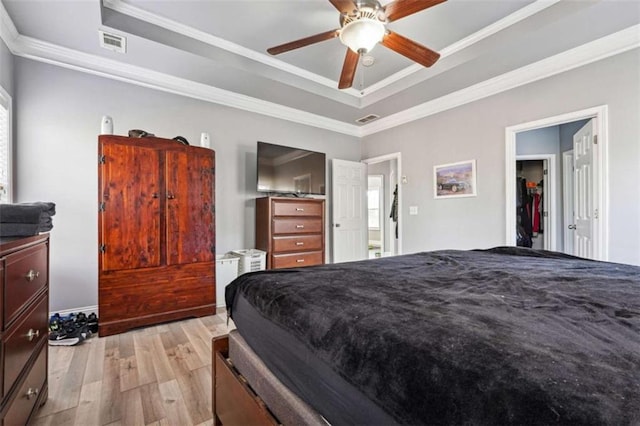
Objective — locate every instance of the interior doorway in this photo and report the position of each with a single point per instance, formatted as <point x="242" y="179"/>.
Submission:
<point x="581" y="192"/>
<point x="383" y="193"/>
<point x="535" y="213"/>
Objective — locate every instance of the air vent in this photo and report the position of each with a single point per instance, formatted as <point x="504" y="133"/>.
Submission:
<point x="113" y="42"/>
<point x="367" y="118"/>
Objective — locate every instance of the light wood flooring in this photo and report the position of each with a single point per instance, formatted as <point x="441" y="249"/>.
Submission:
<point x="158" y="375"/>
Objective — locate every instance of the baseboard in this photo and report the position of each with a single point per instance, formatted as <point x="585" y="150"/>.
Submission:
<point x="86" y="309"/>
<point x="89" y="309"/>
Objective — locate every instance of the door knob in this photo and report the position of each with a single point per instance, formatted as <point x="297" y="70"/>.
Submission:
<point x="572" y="226"/>
<point x="337" y="225"/>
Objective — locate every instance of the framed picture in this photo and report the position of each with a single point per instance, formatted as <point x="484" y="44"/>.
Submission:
<point x="455" y="180"/>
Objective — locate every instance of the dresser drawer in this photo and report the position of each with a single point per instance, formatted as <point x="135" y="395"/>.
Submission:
<point x="20" y="343"/>
<point x="297" y="243"/>
<point x="297" y="226"/>
<point x="25" y="400"/>
<point x="296" y="208"/>
<point x="26" y="275"/>
<point x="297" y="259"/>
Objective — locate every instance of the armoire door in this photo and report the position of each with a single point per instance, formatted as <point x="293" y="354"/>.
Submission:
<point x="130" y="207"/>
<point x="190" y="212"/>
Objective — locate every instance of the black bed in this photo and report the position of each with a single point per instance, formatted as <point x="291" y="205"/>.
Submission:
<point x="501" y="336"/>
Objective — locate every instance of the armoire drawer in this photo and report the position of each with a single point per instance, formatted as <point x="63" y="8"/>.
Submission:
<point x="295" y="260"/>
<point x="26" y="397"/>
<point x="296" y="208"/>
<point x="297" y="226"/>
<point x="297" y="243"/>
<point x="26" y="275"/>
<point x="22" y="340"/>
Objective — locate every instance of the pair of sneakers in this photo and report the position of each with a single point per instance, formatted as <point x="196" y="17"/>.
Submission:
<point x="71" y="329"/>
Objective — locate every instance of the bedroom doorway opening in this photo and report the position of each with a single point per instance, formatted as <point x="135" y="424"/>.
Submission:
<point x="578" y="225"/>
<point x="383" y="205"/>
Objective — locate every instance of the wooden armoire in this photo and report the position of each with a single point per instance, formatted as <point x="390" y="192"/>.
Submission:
<point x="156" y="232"/>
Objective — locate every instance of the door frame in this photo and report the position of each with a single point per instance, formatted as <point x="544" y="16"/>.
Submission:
<point x="600" y="115"/>
<point x="567" y="188"/>
<point x="388" y="157"/>
<point x="549" y="200"/>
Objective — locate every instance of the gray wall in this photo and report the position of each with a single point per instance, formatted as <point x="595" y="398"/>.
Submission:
<point x="58" y="119"/>
<point x="478" y="222"/>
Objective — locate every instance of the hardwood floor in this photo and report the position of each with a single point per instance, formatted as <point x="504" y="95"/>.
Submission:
<point x="158" y="375"/>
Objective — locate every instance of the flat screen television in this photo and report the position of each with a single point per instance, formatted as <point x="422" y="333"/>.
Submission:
<point x="287" y="170"/>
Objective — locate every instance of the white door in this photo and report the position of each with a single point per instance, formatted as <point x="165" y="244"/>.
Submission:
<point x="567" y="202"/>
<point x="584" y="193"/>
<point x="349" y="224"/>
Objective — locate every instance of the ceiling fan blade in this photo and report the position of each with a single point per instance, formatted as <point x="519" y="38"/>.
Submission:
<point x="344" y="6"/>
<point x="303" y="42"/>
<point x="409" y="48"/>
<point x="348" y="69"/>
<point x="401" y="8"/>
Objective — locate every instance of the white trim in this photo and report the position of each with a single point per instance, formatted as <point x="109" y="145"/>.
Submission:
<point x="567" y="188"/>
<point x="550" y="182"/>
<point x="600" y="115"/>
<point x="388" y="157"/>
<point x="602" y="48"/>
<point x="67" y="58"/>
<point x="468" y="41"/>
<point x="85" y="309"/>
<point x="188" y="31"/>
<point x="4" y="95"/>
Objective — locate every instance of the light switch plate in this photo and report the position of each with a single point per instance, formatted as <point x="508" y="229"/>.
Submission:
<point x="413" y="210"/>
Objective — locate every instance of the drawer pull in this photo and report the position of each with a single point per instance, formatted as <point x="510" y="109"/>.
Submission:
<point x="298" y="209"/>
<point x="31" y="392"/>
<point x="299" y="226"/>
<point x="299" y="243"/>
<point x="32" y="275"/>
<point x="300" y="260"/>
<point x="31" y="334"/>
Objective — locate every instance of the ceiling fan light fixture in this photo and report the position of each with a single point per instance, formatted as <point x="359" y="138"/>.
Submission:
<point x="361" y="35"/>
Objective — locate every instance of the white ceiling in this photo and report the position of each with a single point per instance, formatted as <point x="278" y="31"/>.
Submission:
<point x="216" y="50"/>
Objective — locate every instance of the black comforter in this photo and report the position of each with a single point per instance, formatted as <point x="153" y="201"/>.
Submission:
<point x="500" y="336"/>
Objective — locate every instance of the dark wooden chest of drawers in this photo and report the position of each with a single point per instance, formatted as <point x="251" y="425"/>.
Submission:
<point x="291" y="231"/>
<point x="24" y="319"/>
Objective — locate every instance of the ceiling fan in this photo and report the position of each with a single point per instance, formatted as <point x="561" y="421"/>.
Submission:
<point x="362" y="26"/>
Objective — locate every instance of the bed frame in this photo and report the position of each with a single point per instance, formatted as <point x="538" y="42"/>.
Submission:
<point x="234" y="401"/>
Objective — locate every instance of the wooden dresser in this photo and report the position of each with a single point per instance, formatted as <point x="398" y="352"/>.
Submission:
<point x="291" y="231"/>
<point x="24" y="325"/>
<point x="156" y="232"/>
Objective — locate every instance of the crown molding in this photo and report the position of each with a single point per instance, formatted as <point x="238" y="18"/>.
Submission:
<point x="596" y="50"/>
<point x="41" y="51"/>
<point x="507" y="21"/>
<point x="188" y="31"/>
<point x="27" y="47"/>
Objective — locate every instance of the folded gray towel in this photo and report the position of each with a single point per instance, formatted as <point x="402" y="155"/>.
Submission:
<point x="32" y="213"/>
<point x="18" y="229"/>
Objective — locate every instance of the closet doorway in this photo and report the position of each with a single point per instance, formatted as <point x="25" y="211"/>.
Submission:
<point x="535" y="210"/>
<point x="579" y="141"/>
<point x="383" y="193"/>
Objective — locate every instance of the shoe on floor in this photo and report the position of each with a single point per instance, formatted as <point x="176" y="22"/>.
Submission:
<point x="67" y="336"/>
